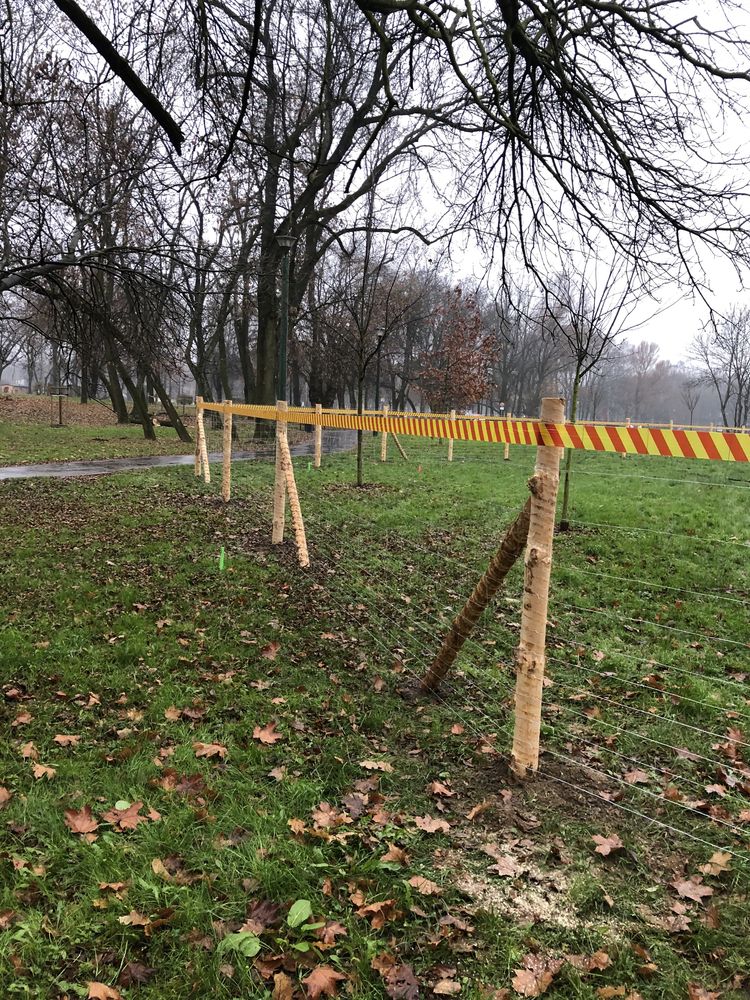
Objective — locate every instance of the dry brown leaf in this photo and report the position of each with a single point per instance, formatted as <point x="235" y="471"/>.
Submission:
<point x="282" y="987"/>
<point x="66" y="740"/>
<point x="447" y="987"/>
<point x="42" y="771"/>
<point x="717" y="863"/>
<point x="210" y="750"/>
<point x="395" y="855"/>
<point x="424" y="886"/>
<point x="271" y="650"/>
<point x="692" y="888"/>
<point x="605" y="845"/>
<point x="22" y="719"/>
<point x="267" y="734"/>
<point x="29" y="751"/>
<point x="696" y="992"/>
<point x="479" y="808"/>
<point x="376" y="765"/>
<point x="5" y="797"/>
<point x="323" y="981"/>
<point x="100" y="991"/>
<point x="431" y="825"/>
<point x="438" y="788"/>
<point x="135" y="919"/>
<point x="637" y="777"/>
<point x="81" y="821"/>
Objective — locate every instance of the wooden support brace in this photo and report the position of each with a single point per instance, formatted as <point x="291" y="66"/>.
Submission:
<point x="530" y="656"/>
<point x="450" y="440"/>
<point x="500" y="565"/>
<point x="279" y="486"/>
<point x="226" y="467"/>
<point x="398" y="445"/>
<point x="384" y="440"/>
<point x="318" y="433"/>
<point x="506" y="449"/>
<point x="294" y="507"/>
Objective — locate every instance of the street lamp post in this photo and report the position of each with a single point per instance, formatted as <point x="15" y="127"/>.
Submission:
<point x="286" y="242"/>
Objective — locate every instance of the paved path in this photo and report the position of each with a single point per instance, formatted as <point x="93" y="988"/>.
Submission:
<point x="107" y="466"/>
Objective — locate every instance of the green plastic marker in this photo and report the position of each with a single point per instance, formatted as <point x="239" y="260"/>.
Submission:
<point x="221" y="560"/>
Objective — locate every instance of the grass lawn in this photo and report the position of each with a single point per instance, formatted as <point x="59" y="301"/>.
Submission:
<point x="214" y="786"/>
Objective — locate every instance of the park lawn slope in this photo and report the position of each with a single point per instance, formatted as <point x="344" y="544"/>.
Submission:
<point x="215" y="784"/>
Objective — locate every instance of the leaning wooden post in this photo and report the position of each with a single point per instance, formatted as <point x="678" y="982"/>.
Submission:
<point x="294" y="508"/>
<point x="226" y="468"/>
<point x="398" y="445"/>
<point x="384" y="439"/>
<point x="318" y="433"/>
<point x="450" y="439"/>
<point x="198" y="422"/>
<point x="500" y="565"/>
<point x="279" y="485"/>
<point x="203" y="448"/>
<point x="506" y="450"/>
<point x="530" y="656"/>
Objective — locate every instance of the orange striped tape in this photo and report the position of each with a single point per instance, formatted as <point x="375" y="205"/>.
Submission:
<point x="717" y="446"/>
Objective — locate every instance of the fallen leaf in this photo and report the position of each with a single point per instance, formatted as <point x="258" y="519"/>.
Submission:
<point x="65" y="740"/>
<point x="605" y="845"/>
<point x="438" y="788"/>
<point x="447" y="987"/>
<point x="22" y="719"/>
<point x="81" y="821"/>
<point x="637" y="777"/>
<point x="135" y="919"/>
<point x="210" y="750"/>
<point x="395" y="855"/>
<point x="282" y="987"/>
<point x="457" y="729"/>
<point x="376" y="765"/>
<point x="607" y="992"/>
<point x="424" y="886"/>
<point x="431" y="825"/>
<point x="696" y="992"/>
<point x="5" y="797"/>
<point x="42" y="771"/>
<point x="692" y="888"/>
<point x="717" y="863"/>
<point x="270" y="651"/>
<point x="400" y="982"/>
<point x="127" y="817"/>
<point x="267" y="734"/>
<point x="479" y="808"/>
<point x="29" y="751"/>
<point x="323" y="981"/>
<point x="135" y="974"/>
<point x="379" y="913"/>
<point x="100" y="991"/>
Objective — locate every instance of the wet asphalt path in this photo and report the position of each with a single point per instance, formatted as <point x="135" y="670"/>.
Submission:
<point x="109" y="466"/>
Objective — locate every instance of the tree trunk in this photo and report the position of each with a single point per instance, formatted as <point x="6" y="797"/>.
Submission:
<point x="564" y="523"/>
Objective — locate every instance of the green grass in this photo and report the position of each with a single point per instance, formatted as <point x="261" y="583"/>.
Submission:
<point x="114" y="611"/>
<point x="24" y="444"/>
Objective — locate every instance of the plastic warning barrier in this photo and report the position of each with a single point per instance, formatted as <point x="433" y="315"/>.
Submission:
<point x="717" y="446"/>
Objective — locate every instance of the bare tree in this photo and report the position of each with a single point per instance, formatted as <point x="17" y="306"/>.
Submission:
<point x="723" y="356"/>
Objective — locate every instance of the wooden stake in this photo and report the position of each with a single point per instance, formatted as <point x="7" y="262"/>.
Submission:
<point x="198" y="404"/>
<point x="202" y="442"/>
<point x="500" y="565"/>
<point x="226" y="468"/>
<point x="291" y="487"/>
<point x="384" y="440"/>
<point x="450" y="440"/>
<point x="530" y="657"/>
<point x="624" y="454"/>
<point x="318" y="432"/>
<point x="279" y="486"/>
<point x="398" y="445"/>
<point x="506" y="450"/>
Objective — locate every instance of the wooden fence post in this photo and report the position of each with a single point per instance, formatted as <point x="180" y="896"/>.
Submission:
<point x="279" y="486"/>
<point x="198" y="417"/>
<point x="530" y="656"/>
<point x="318" y="432"/>
<point x="450" y="439"/>
<point x="506" y="450"/>
<point x="384" y="439"/>
<point x="624" y="454"/>
<point x="226" y="468"/>
<point x="203" y="448"/>
<point x="294" y="508"/>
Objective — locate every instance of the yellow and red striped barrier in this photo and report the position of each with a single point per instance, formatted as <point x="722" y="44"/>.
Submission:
<point x="717" y="446"/>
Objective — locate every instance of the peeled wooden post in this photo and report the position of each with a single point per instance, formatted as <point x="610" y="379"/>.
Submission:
<point x="203" y="449"/>
<point x="291" y="487"/>
<point x="226" y="468"/>
<point x="624" y="454"/>
<point x="500" y="565"/>
<point x="450" y="439"/>
<point x="530" y="656"/>
<point x="398" y="445"/>
<point x="384" y="439"/>
<point x="198" y="418"/>
<point x="318" y="433"/>
<point x="506" y="450"/>
<point x="279" y="485"/>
